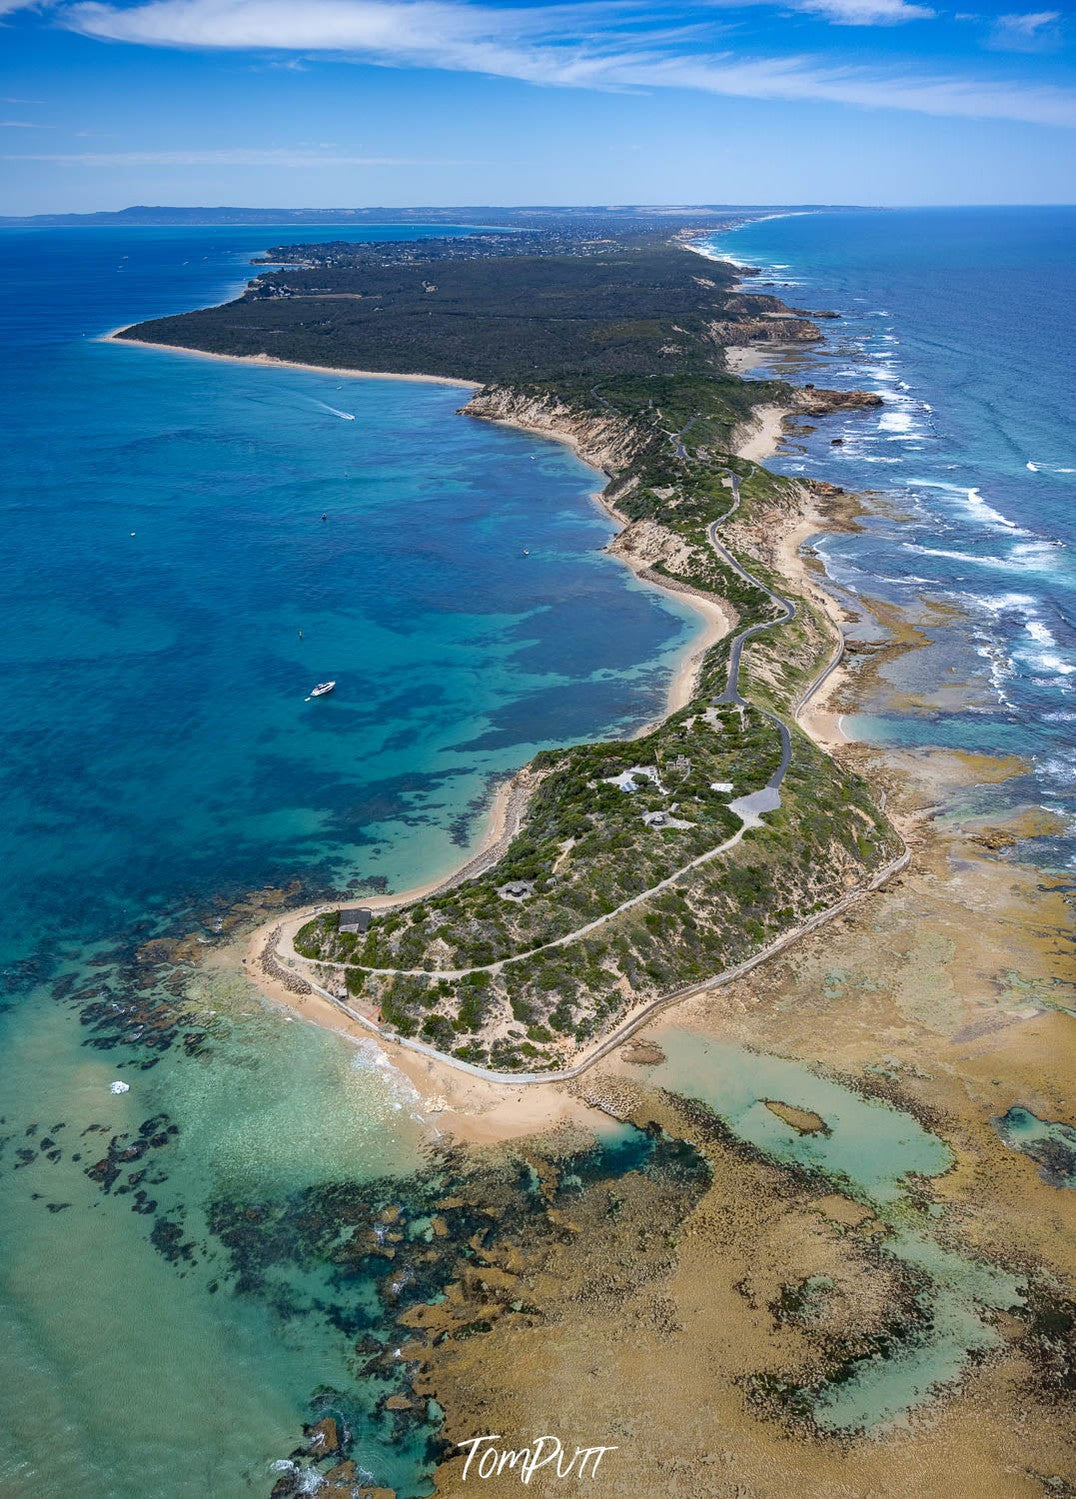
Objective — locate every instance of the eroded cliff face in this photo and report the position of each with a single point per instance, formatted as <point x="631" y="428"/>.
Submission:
<point x="605" y="439"/>
<point x="644" y="543"/>
<point x="770" y="328"/>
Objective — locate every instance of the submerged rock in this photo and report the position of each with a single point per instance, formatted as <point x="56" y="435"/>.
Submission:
<point x="803" y="1121"/>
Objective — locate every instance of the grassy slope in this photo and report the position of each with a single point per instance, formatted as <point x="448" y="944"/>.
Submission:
<point x="827" y="837"/>
<point x="623" y="334"/>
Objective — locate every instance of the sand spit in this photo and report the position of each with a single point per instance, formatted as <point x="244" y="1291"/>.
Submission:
<point x="266" y="361"/>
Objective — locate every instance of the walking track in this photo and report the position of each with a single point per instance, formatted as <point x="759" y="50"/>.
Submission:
<point x="748" y="808"/>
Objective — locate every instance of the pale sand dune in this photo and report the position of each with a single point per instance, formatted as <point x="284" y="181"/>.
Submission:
<point x="743" y="358"/>
<point x="757" y="439"/>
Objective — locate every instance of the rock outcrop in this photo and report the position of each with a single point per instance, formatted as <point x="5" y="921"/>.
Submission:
<point x="812" y="402"/>
<point x="772" y="328"/>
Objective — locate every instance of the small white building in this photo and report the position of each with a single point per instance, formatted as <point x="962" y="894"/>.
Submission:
<point x="628" y="779"/>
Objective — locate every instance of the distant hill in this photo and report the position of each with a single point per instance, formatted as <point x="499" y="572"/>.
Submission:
<point x="480" y="213"/>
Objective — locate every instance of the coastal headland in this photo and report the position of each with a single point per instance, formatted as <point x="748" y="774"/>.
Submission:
<point x="824" y="1270"/>
<point x="643" y="869"/>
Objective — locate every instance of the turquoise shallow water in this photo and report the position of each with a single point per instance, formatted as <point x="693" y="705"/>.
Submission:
<point x="876" y="1154"/>
<point x="173" y="1305"/>
<point x="123" y="1373"/>
<point x="162" y="1334"/>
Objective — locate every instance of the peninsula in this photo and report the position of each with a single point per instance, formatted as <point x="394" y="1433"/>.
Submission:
<point x="637" y="871"/>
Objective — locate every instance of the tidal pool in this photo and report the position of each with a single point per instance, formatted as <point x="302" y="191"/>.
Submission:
<point x="1049" y="1143"/>
<point x="873" y="1152"/>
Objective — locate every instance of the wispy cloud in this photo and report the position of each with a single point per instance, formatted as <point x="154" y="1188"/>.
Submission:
<point x="237" y="156"/>
<point x="798" y="78"/>
<point x="1037" y="31"/>
<point x="865" y="12"/>
<point x="22" y="125"/>
<point x="597" y="45"/>
<point x="839" y="12"/>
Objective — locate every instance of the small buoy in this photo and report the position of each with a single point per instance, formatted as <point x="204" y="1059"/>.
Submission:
<point x="118" y="1087"/>
<point x="133" y="533"/>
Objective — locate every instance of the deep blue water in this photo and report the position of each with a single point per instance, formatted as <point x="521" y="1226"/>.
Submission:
<point x="163" y="550"/>
<point x="965" y="320"/>
<point x="159" y="754"/>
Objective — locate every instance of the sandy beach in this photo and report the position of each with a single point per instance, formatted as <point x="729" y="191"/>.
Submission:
<point x="757" y="439"/>
<point x="482" y="1110"/>
<point x="266" y="361"/>
<point x="741" y="359"/>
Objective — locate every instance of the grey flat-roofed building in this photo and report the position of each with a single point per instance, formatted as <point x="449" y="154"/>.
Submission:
<point x="355" y="919"/>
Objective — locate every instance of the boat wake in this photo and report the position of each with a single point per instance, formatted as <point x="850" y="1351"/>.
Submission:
<point x="345" y="416"/>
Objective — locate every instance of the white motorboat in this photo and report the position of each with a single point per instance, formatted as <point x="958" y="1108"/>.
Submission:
<point x="322" y="689"/>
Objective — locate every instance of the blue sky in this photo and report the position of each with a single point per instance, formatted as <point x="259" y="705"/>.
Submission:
<point x="393" y="102"/>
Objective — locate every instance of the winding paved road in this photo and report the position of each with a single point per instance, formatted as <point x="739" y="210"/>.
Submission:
<point x="748" y="808"/>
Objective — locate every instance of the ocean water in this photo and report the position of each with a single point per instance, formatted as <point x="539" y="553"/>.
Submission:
<point x="965" y="321"/>
<point x="176" y="1292"/>
<point x="168" y="585"/>
<point x="169" y="593"/>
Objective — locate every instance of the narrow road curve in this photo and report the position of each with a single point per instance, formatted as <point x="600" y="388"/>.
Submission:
<point x="748" y="808"/>
<point x="647" y="1012"/>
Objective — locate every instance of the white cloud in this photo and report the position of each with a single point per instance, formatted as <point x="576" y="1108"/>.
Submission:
<point x="415" y="29"/>
<point x="1030" y="32"/>
<point x="561" y="45"/>
<point x="802" y="79"/>
<point x="841" y="12"/>
<point x="866" y="12"/>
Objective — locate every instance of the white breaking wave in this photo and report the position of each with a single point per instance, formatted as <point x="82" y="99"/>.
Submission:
<point x="973" y="502"/>
<point x="952" y="556"/>
<point x="1049" y="658"/>
<point x="978" y="505"/>
<point x="369" y="1057"/>
<point x="1036" y="557"/>
<point x="1059" y="770"/>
